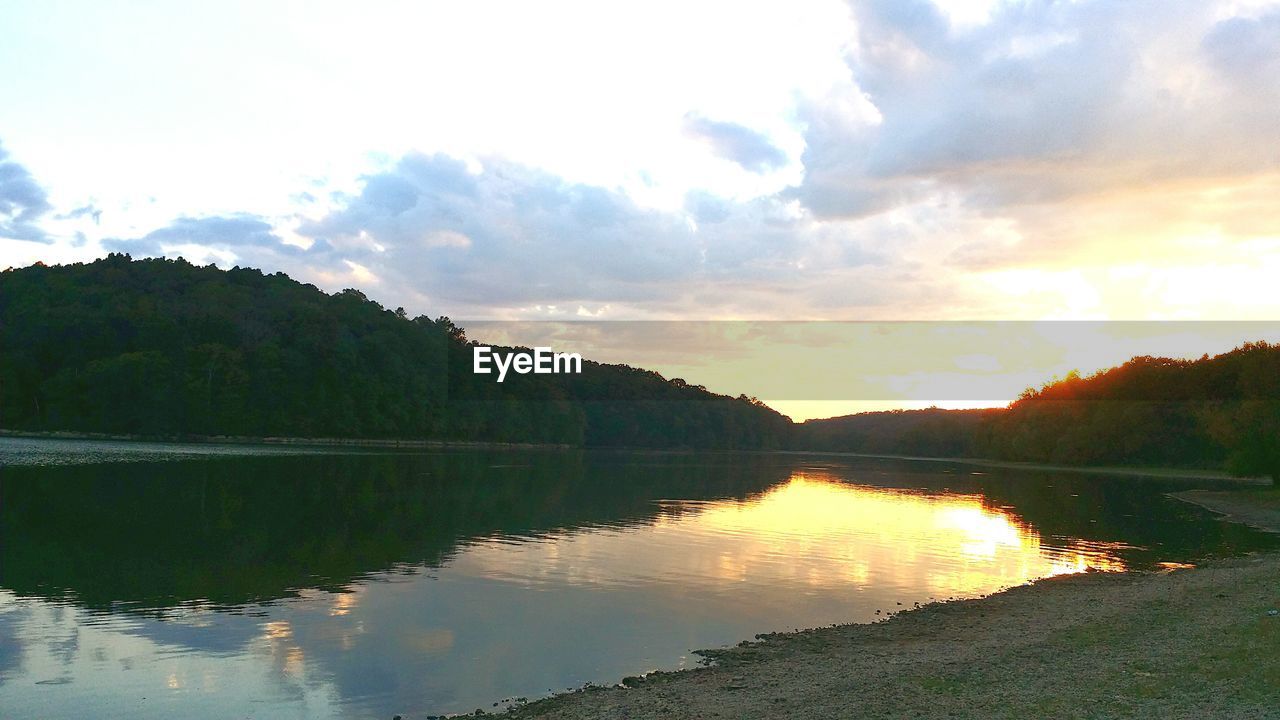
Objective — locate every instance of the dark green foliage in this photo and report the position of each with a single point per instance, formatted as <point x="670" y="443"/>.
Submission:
<point x="1153" y="411"/>
<point x="925" y="433"/>
<point x="164" y="348"/>
<point x="1250" y="429"/>
<point x="1215" y="412"/>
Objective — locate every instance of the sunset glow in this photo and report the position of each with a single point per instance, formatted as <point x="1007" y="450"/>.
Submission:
<point x="963" y="160"/>
<point x="813" y="530"/>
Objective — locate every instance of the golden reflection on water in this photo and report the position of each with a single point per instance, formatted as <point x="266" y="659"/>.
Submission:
<point x="837" y="533"/>
<point x="813" y="533"/>
<point x="283" y="648"/>
<point x="343" y="602"/>
<point x="277" y="630"/>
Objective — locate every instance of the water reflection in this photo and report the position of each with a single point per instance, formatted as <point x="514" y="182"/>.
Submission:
<point x="234" y="531"/>
<point x="383" y="585"/>
<point x="814" y="534"/>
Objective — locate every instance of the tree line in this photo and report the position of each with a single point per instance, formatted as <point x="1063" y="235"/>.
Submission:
<point x="1212" y="412"/>
<point x="162" y="347"/>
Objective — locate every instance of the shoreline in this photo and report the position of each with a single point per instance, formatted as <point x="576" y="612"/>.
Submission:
<point x="1180" y="643"/>
<point x="1261" y="511"/>
<point x="381" y="443"/>
<point x="1191" y="474"/>
<point x="1144" y="472"/>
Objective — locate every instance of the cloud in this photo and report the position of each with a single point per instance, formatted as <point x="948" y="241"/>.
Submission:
<point x="433" y="233"/>
<point x="23" y="203"/>
<point x="1045" y="103"/>
<point x="751" y="150"/>
<point x="1041" y="158"/>
<point x="235" y="231"/>
<point x="84" y="211"/>
<point x="1246" y="48"/>
<point x="509" y="235"/>
<point x="511" y="239"/>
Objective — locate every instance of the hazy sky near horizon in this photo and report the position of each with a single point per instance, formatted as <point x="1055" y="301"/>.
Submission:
<point x="876" y="159"/>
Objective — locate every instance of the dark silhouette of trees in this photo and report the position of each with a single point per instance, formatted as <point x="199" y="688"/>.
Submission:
<point x="926" y="433"/>
<point x="1214" y="412"/>
<point x="165" y="348"/>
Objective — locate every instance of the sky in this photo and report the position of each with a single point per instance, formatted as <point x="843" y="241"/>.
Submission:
<point x="820" y="160"/>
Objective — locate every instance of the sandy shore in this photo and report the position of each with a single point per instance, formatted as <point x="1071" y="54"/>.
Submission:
<point x="1259" y="509"/>
<point x="1196" y="643"/>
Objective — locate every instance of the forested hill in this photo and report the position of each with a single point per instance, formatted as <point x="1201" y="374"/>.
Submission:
<point x="1214" y="412"/>
<point x="1211" y="412"/>
<point x="165" y="348"/>
<point x="922" y="433"/>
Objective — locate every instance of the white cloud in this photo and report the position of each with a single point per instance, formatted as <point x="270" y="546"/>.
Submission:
<point x="1044" y="103"/>
<point x="888" y="158"/>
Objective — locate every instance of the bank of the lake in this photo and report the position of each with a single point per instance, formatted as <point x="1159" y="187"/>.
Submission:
<point x="1160" y="473"/>
<point x="1186" y="643"/>
<point x="315" y="442"/>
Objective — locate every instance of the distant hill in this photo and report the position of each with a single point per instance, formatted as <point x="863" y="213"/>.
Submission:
<point x="165" y="348"/>
<point x="926" y="433"/>
<point x="1214" y="412"/>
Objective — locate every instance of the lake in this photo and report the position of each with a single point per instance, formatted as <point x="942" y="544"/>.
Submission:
<point x="199" y="581"/>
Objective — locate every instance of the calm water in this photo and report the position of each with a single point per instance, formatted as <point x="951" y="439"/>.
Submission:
<point x="205" y="582"/>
